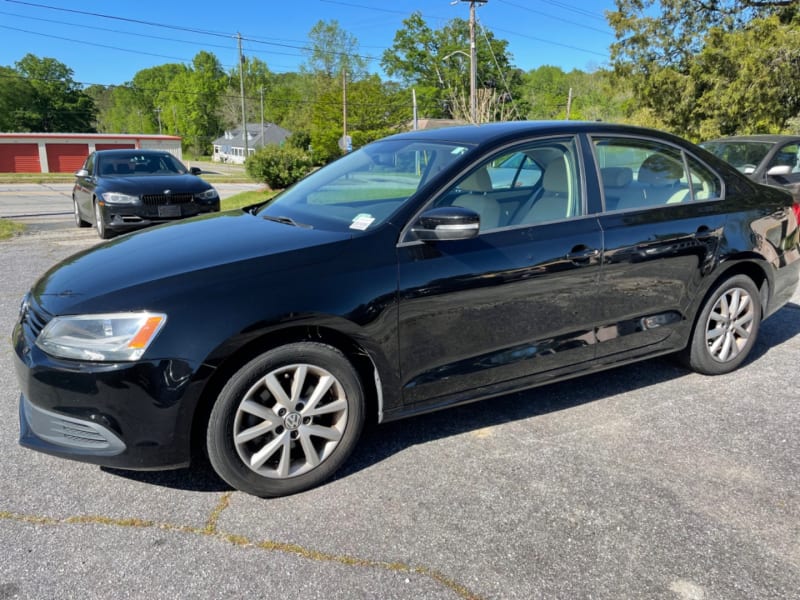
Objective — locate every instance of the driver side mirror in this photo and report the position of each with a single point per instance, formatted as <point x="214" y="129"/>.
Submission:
<point x="195" y="170"/>
<point x="447" y="223"/>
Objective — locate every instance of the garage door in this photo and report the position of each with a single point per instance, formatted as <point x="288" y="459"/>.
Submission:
<point x="114" y="146"/>
<point x="19" y="158"/>
<point x="66" y="158"/>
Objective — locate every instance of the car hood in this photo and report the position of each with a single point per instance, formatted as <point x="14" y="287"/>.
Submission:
<point x="221" y="249"/>
<point x="153" y="184"/>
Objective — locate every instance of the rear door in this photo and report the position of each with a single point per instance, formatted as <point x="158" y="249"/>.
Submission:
<point x="662" y="224"/>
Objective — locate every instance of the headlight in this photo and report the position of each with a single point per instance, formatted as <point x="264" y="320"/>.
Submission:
<point x="117" y="198"/>
<point x="207" y="195"/>
<point x="110" y="337"/>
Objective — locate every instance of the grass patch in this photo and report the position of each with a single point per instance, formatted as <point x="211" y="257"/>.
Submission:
<point x="10" y="228"/>
<point x="246" y="199"/>
<point x="37" y="178"/>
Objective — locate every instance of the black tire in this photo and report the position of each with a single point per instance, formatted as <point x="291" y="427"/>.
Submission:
<point x="79" y="222"/>
<point x="726" y="328"/>
<point x="99" y="223"/>
<point x="286" y="421"/>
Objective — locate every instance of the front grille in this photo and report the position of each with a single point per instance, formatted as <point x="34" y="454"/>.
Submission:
<point x="162" y="199"/>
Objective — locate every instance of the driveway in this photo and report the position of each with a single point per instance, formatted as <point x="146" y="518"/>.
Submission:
<point x="642" y="482"/>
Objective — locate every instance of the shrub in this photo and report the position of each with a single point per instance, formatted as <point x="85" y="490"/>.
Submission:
<point x="278" y="167"/>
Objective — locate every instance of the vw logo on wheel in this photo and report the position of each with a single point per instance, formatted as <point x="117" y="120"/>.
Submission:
<point x="293" y="421"/>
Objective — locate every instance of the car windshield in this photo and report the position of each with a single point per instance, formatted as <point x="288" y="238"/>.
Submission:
<point x="363" y="189"/>
<point x="744" y="155"/>
<point x="140" y="165"/>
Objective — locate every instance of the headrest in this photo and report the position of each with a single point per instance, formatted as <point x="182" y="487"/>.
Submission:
<point x="616" y="177"/>
<point x="479" y="181"/>
<point x="555" y="177"/>
<point x="658" y="169"/>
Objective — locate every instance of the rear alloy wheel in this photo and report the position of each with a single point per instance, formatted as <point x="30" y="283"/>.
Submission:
<point x="287" y="420"/>
<point x="727" y="327"/>
<point x="79" y="222"/>
<point x="99" y="223"/>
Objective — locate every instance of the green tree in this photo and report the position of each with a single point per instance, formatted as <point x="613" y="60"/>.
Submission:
<point x="54" y="101"/>
<point x="257" y="78"/>
<point x="16" y="93"/>
<point x="676" y="57"/>
<point x="332" y="50"/>
<point x="189" y="105"/>
<point x="437" y="64"/>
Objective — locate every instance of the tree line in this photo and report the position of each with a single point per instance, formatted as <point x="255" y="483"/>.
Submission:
<point x="698" y="68"/>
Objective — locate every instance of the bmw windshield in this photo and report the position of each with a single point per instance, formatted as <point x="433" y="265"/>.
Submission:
<point x="363" y="189"/>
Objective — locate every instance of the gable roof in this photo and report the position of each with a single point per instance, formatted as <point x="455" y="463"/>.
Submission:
<point x="272" y="134"/>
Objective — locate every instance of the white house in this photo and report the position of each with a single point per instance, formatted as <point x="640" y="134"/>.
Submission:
<point x="230" y="147"/>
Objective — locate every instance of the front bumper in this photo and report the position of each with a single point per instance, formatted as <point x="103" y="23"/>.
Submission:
<point x="121" y="217"/>
<point x="124" y="415"/>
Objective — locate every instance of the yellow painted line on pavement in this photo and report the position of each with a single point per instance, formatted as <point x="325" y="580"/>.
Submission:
<point x="211" y="530"/>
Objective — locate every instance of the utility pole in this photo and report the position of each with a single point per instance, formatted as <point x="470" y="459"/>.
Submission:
<point x="241" y="90"/>
<point x="569" y="103"/>
<point x="262" y="116"/>
<point x="344" y="111"/>
<point x="158" y="114"/>
<point x="473" y="61"/>
<point x="414" y="106"/>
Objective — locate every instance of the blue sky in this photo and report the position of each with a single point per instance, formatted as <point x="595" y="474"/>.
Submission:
<point x="102" y="42"/>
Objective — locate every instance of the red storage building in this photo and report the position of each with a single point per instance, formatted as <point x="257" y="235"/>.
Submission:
<point x="65" y="152"/>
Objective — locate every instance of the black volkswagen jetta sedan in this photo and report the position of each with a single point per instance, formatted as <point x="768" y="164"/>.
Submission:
<point x="121" y="190"/>
<point x="422" y="271"/>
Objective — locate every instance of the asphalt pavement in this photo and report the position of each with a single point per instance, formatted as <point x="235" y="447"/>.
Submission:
<point x="646" y="481"/>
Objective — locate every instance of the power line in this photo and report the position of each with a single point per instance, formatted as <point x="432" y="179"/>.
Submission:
<point x="562" y="19"/>
<point x="283" y="44"/>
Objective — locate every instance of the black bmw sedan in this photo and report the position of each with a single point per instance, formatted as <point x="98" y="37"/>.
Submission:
<point x="121" y="190"/>
<point x="422" y="271"/>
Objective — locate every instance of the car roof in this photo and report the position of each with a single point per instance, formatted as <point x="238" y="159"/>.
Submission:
<point x="129" y="151"/>
<point x="492" y="133"/>
<point x="763" y="137"/>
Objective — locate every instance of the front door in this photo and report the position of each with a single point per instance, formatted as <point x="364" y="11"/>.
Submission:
<point x="513" y="305"/>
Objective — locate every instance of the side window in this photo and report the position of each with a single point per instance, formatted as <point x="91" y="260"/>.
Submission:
<point x="536" y="183"/>
<point x="705" y="185"/>
<point x="785" y="157"/>
<point x="636" y="174"/>
<point x="513" y="170"/>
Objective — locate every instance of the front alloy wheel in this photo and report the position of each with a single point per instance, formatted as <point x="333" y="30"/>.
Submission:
<point x="286" y="421"/>
<point x="100" y="224"/>
<point x="727" y="327"/>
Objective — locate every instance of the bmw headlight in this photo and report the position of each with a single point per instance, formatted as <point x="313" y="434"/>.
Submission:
<point x="210" y="194"/>
<point x="117" y="198"/>
<point x="108" y="337"/>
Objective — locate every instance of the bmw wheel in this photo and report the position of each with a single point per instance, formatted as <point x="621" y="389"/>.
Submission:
<point x="726" y="328"/>
<point x="79" y="222"/>
<point x="287" y="420"/>
<point x="100" y="223"/>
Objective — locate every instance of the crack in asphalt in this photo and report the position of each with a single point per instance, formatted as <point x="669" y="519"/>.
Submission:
<point x="211" y="529"/>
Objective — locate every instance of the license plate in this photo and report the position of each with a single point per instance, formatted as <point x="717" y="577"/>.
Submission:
<point x="171" y="210"/>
